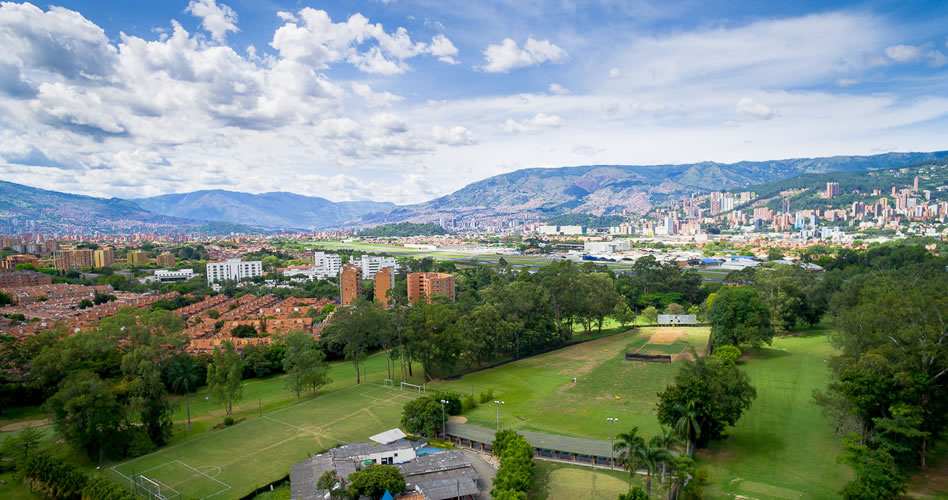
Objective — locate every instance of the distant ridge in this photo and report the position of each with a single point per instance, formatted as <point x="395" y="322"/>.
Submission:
<point x="273" y="210"/>
<point x="610" y="189"/>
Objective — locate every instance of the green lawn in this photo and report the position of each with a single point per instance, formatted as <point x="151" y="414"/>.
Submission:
<point x="783" y="447"/>
<point x="539" y="393"/>
<point x="556" y="481"/>
<point x="231" y="462"/>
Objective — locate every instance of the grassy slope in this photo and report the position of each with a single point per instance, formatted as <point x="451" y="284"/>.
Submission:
<point x="539" y="393"/>
<point x="783" y="447"/>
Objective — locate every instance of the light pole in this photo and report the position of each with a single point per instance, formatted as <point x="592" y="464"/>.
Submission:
<point x="443" y="433"/>
<point x="612" y="437"/>
<point x="498" y="403"/>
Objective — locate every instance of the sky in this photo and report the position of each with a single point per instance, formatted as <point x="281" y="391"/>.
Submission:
<point x="407" y="100"/>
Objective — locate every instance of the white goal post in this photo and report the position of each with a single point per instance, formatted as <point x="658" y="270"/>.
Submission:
<point x="389" y="383"/>
<point x="419" y="388"/>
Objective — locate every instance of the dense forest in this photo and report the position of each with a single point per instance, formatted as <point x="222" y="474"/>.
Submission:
<point x="403" y="229"/>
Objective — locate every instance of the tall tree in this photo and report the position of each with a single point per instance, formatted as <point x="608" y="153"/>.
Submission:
<point x="148" y="395"/>
<point x="353" y="329"/>
<point x="738" y="316"/>
<point x="303" y="363"/>
<point x="224" y="375"/>
<point x="629" y="446"/>
<point x="717" y="392"/>
<point x="184" y="374"/>
<point x="87" y="414"/>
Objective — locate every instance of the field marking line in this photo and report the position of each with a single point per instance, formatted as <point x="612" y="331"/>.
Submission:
<point x="225" y="485"/>
<point x="209" y="434"/>
<point x="157" y="467"/>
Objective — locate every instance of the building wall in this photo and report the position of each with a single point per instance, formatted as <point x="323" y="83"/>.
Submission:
<point x="233" y="269"/>
<point x="137" y="257"/>
<point x="103" y="257"/>
<point x="165" y="259"/>
<point x="425" y="285"/>
<point x="384" y="282"/>
<point x="71" y="258"/>
<point x="23" y="278"/>
<point x="12" y="260"/>
<point x="350" y="284"/>
<point x="372" y="264"/>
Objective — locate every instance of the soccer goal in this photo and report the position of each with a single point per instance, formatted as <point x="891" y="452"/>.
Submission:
<point x="389" y="383"/>
<point x="419" y="388"/>
<point x="154" y="490"/>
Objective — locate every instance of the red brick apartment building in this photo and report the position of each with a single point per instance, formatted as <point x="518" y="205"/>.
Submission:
<point x="426" y="285"/>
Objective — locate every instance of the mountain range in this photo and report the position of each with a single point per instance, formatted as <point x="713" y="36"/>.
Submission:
<point x="607" y="189"/>
<point x="273" y="210"/>
<point x="533" y="192"/>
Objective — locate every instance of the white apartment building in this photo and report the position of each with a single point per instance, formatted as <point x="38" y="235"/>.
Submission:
<point x="166" y="276"/>
<point x="371" y="264"/>
<point x="327" y="264"/>
<point x="233" y="269"/>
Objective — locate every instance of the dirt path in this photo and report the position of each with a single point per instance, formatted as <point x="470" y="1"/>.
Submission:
<point x="15" y="426"/>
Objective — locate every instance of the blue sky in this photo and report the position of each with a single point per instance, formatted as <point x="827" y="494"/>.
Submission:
<point x="407" y="100"/>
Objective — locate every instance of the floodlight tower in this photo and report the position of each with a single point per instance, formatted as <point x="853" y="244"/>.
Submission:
<point x="443" y="433"/>
<point x="498" y="403"/>
<point x="612" y="437"/>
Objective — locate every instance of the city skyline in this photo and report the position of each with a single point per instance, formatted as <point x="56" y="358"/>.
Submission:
<point x="396" y="101"/>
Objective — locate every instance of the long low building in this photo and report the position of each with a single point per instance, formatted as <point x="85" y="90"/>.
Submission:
<point x="551" y="446"/>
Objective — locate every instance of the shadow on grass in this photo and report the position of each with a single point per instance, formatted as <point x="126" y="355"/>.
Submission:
<point x="763" y="353"/>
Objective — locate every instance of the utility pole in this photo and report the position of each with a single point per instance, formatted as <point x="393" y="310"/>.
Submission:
<point x="498" y="403"/>
<point x="443" y="433"/>
<point x="612" y="437"/>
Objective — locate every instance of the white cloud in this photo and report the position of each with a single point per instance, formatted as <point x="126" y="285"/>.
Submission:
<point x="508" y="55"/>
<point x="389" y="123"/>
<point x="538" y="122"/>
<point x="443" y="49"/>
<point x="311" y="37"/>
<point x="217" y="19"/>
<point x="375" y="99"/>
<point x="904" y="53"/>
<point x="558" y="89"/>
<point x="647" y="107"/>
<point x="749" y="110"/>
<point x="453" y="136"/>
<point x="936" y="59"/>
<point x="615" y="73"/>
<point x="610" y="107"/>
<point x="287" y="16"/>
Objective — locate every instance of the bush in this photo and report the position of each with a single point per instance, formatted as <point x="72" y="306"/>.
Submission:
<point x="516" y="465"/>
<point x="441" y="444"/>
<point x="486" y="397"/>
<point x="139" y="443"/>
<point x="728" y="353"/>
<point x="228" y="421"/>
<point x="468" y="403"/>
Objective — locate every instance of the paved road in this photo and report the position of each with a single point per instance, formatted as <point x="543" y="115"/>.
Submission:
<point x="485" y="471"/>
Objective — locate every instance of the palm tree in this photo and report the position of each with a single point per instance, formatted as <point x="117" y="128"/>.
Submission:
<point x="688" y="427"/>
<point x="628" y="445"/>
<point x="667" y="439"/>
<point x="185" y="375"/>
<point x="652" y="456"/>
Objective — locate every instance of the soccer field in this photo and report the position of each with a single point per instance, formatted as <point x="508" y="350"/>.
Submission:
<point x="539" y="393"/>
<point x="233" y="461"/>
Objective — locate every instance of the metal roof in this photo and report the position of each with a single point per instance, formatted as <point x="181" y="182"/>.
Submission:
<point x="441" y="489"/>
<point x="388" y="436"/>
<point x="537" y="440"/>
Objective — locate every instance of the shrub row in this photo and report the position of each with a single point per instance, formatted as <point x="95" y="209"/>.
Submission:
<point x="61" y="480"/>
<point x="516" y="466"/>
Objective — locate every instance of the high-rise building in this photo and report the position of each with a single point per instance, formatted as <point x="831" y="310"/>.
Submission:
<point x="103" y="257"/>
<point x="915" y="184"/>
<point x="785" y="206"/>
<point x="426" y="285"/>
<point x="73" y="258"/>
<point x="350" y="284"/>
<point x="137" y="257"/>
<point x="233" y="269"/>
<point x="328" y="264"/>
<point x="165" y="259"/>
<point x="371" y="264"/>
<point x="384" y="283"/>
<point x="832" y="189"/>
<point x="16" y="279"/>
